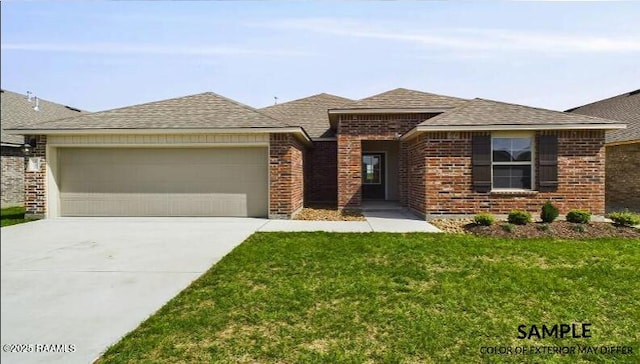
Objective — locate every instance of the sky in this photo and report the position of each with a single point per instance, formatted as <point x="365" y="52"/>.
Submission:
<point x="102" y="55"/>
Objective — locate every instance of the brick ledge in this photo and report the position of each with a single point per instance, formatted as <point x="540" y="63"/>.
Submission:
<point x="515" y="193"/>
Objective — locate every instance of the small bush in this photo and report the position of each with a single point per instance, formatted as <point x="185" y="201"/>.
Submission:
<point x="625" y="218"/>
<point x="542" y="227"/>
<point x="579" y="216"/>
<point x="579" y="228"/>
<point x="549" y="212"/>
<point x="508" y="227"/>
<point x="519" y="217"/>
<point x="484" y="219"/>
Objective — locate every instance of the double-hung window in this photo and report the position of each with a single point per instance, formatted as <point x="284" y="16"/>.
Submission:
<point x="512" y="162"/>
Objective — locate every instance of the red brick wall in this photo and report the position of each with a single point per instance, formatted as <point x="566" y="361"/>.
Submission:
<point x="321" y="173"/>
<point x="12" y="192"/>
<point x="352" y="129"/>
<point x="623" y="177"/>
<point x="286" y="171"/>
<point x="35" y="194"/>
<point x="580" y="176"/>
<point x="416" y="174"/>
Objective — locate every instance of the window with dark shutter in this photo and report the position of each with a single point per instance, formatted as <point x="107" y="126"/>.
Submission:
<point x="481" y="163"/>
<point x="512" y="162"/>
<point x="548" y="163"/>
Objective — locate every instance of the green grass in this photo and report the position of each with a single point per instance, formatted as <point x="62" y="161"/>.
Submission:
<point x="12" y="216"/>
<point x="395" y="298"/>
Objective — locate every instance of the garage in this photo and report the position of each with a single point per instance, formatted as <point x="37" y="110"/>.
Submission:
<point x="148" y="181"/>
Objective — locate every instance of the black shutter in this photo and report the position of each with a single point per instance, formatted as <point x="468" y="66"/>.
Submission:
<point x="548" y="163"/>
<point x="481" y="163"/>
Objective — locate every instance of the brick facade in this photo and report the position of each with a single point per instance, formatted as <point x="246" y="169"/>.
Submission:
<point x="434" y="171"/>
<point x="449" y="189"/>
<point x="623" y="177"/>
<point x="35" y="194"/>
<point x="286" y="173"/>
<point x="417" y="174"/>
<point x="12" y="177"/>
<point x="321" y="174"/>
<point x="352" y="130"/>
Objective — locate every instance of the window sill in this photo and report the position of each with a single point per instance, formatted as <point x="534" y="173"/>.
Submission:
<point x="514" y="192"/>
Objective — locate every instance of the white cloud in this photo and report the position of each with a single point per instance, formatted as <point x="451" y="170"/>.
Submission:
<point x="150" y="49"/>
<point x="464" y="39"/>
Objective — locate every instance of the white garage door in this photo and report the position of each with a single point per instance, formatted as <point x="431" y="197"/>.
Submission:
<point x="163" y="181"/>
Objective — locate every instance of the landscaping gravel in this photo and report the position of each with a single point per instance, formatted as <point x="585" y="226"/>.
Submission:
<point x="328" y="213"/>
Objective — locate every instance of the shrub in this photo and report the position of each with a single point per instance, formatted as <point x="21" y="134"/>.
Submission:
<point x="542" y="227"/>
<point x="484" y="219"/>
<point x="519" y="217"/>
<point x="549" y="212"/>
<point x="579" y="228"/>
<point x="508" y="227"/>
<point x="579" y="216"/>
<point x="625" y="218"/>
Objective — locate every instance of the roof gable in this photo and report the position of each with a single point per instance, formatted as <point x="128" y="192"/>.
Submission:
<point x="624" y="107"/>
<point x="309" y="113"/>
<point x="402" y="98"/>
<point x="201" y="111"/>
<point x="487" y="113"/>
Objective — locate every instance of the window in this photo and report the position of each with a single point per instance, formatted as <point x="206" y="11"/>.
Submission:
<point x="371" y="169"/>
<point x="512" y="162"/>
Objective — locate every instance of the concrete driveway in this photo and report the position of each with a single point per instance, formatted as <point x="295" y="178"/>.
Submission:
<point x="79" y="284"/>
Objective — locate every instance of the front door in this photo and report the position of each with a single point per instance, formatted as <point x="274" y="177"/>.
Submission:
<point x="373" y="176"/>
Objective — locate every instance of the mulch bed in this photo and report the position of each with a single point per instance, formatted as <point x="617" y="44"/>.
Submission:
<point x="328" y="213"/>
<point x="557" y="229"/>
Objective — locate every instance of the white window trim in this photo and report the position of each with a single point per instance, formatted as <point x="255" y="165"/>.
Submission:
<point x="532" y="163"/>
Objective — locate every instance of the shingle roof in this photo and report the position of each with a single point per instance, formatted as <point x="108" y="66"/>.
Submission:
<point x="309" y="113"/>
<point x="17" y="110"/>
<point x="625" y="107"/>
<point x="202" y="111"/>
<point x="481" y="112"/>
<point x="402" y="98"/>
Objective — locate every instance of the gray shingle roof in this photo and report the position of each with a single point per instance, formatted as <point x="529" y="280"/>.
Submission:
<point x="402" y="98"/>
<point x="481" y="112"/>
<point x="309" y="113"/>
<point x="17" y="110"/>
<point x="202" y="111"/>
<point x="625" y="107"/>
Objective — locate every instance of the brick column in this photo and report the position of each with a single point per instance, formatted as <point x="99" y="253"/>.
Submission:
<point x="403" y="180"/>
<point x="286" y="173"/>
<point x="35" y="194"/>
<point x="349" y="173"/>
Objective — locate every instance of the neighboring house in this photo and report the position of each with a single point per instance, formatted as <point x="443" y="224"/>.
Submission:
<point x="23" y="110"/>
<point x="206" y="155"/>
<point x="622" y="189"/>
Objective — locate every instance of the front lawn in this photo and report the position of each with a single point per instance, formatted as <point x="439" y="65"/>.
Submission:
<point x="12" y="216"/>
<point x="392" y="298"/>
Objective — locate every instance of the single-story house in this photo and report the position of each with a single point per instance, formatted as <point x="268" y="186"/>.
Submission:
<point x="18" y="109"/>
<point x="622" y="167"/>
<point x="206" y="155"/>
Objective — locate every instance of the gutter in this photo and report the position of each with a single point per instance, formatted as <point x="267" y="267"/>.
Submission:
<point x="119" y="131"/>
<point x="434" y="128"/>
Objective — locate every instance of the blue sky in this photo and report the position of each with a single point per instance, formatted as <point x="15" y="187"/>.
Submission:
<point x="102" y="55"/>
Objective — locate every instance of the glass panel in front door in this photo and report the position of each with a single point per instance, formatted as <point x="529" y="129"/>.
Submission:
<point x="371" y="169"/>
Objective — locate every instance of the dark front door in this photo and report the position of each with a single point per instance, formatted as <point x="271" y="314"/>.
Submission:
<point x="373" y="176"/>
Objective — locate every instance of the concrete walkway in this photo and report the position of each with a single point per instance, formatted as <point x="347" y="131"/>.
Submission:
<point x="387" y="220"/>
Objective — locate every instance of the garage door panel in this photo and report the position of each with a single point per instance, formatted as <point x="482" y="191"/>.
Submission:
<point x="163" y="182"/>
